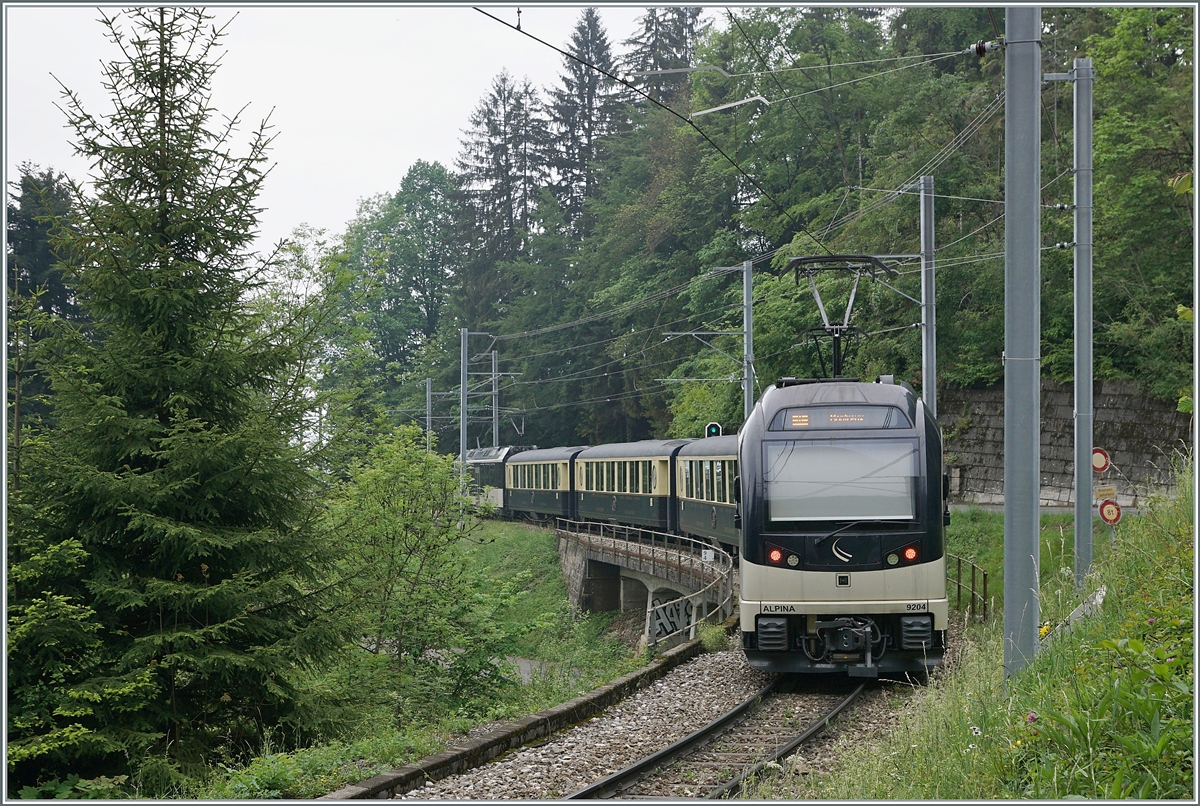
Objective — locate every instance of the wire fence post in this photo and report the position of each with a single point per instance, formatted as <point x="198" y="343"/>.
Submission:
<point x="958" y="582"/>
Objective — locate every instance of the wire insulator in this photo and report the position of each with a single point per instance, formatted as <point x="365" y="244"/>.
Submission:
<point x="982" y="47"/>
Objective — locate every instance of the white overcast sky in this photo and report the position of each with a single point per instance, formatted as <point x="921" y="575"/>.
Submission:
<point x="358" y="93"/>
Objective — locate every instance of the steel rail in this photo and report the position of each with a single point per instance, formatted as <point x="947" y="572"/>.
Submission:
<point x="622" y="779"/>
<point x="736" y="784"/>
<point x="606" y="786"/>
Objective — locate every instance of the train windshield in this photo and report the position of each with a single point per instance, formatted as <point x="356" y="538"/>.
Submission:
<point x="845" y="479"/>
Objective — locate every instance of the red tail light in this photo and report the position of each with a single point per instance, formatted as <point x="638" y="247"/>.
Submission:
<point x="910" y="554"/>
<point x="775" y="555"/>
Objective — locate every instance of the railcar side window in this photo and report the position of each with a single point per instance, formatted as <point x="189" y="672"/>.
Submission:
<point x="719" y="480"/>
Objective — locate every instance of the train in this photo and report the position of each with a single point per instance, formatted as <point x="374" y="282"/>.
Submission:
<point x="832" y="496"/>
<point x="678" y="486"/>
<point x="843" y="562"/>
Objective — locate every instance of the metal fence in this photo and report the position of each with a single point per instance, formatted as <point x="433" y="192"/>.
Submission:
<point x="690" y="563"/>
<point x="977" y="601"/>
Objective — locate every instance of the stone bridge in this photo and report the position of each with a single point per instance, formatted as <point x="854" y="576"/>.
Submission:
<point x="678" y="582"/>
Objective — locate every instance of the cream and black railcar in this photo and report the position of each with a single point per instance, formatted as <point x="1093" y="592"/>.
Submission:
<point x="486" y="466"/>
<point x="539" y="483"/>
<point x="843" y="539"/>
<point x="705" y="474"/>
<point x="631" y="483"/>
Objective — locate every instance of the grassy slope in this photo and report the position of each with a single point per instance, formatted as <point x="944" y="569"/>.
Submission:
<point x="573" y="648"/>
<point x="1105" y="710"/>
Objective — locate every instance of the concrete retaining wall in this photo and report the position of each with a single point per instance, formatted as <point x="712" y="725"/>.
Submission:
<point x="1139" y="433"/>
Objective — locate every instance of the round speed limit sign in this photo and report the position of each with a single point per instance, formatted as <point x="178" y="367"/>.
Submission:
<point x="1110" y="511"/>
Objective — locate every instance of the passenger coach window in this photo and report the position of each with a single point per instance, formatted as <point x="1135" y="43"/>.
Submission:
<point x="719" y="470"/>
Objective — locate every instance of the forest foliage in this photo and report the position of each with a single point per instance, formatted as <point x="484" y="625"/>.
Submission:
<point x="212" y="515"/>
<point x="580" y="250"/>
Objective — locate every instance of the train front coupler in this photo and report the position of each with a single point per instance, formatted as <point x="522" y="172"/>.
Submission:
<point x="849" y="641"/>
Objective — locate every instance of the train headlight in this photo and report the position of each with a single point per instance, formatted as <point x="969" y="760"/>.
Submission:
<point x="910" y="554"/>
<point x="893" y="558"/>
<point x="793" y="560"/>
<point x="775" y="555"/>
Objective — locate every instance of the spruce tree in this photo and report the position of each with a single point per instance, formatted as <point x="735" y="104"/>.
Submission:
<point x="176" y="475"/>
<point x="502" y="169"/>
<point x="583" y="111"/>
<point x="666" y="41"/>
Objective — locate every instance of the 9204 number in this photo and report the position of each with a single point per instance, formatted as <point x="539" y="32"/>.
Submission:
<point x="917" y="606"/>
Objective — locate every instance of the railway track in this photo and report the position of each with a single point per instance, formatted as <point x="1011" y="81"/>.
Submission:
<point x="713" y="761"/>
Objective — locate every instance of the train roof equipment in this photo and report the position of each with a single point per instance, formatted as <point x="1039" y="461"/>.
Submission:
<point x="840" y="333"/>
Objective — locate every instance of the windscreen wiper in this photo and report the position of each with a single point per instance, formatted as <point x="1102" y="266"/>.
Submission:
<point x="825" y="537"/>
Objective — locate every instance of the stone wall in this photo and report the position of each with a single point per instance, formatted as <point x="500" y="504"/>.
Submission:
<point x="1140" y="434"/>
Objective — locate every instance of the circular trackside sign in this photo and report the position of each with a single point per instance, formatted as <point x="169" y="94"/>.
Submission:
<point x="1110" y="511"/>
<point x="1100" y="460"/>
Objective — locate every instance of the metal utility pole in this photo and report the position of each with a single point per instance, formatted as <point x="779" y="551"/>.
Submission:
<point x="747" y="333"/>
<point x="1085" y="77"/>
<point x="928" y="300"/>
<point x="495" y="404"/>
<point x="462" y="397"/>
<point x="428" y="413"/>
<point x="1022" y="331"/>
<point x="748" y="339"/>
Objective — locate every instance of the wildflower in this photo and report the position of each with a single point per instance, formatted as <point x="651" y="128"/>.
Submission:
<point x="971" y="746"/>
<point x="1149" y="621"/>
<point x="1031" y="717"/>
<point x="1044" y="630"/>
<point x="976" y="731"/>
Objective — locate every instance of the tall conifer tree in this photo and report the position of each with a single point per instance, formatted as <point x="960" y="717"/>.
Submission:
<point x="583" y="111"/>
<point x="502" y="169"/>
<point x="176" y="477"/>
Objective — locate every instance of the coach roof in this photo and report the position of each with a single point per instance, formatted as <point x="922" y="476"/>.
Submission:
<point x="646" y="449"/>
<point x="712" y="446"/>
<point x="547" y="455"/>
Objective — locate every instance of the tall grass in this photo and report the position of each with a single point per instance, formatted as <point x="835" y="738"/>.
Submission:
<point x="1104" y="710"/>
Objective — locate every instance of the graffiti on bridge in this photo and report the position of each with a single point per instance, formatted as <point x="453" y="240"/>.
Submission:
<point x="671" y="616"/>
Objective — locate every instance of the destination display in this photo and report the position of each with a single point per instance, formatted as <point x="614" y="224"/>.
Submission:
<point x="821" y="418"/>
